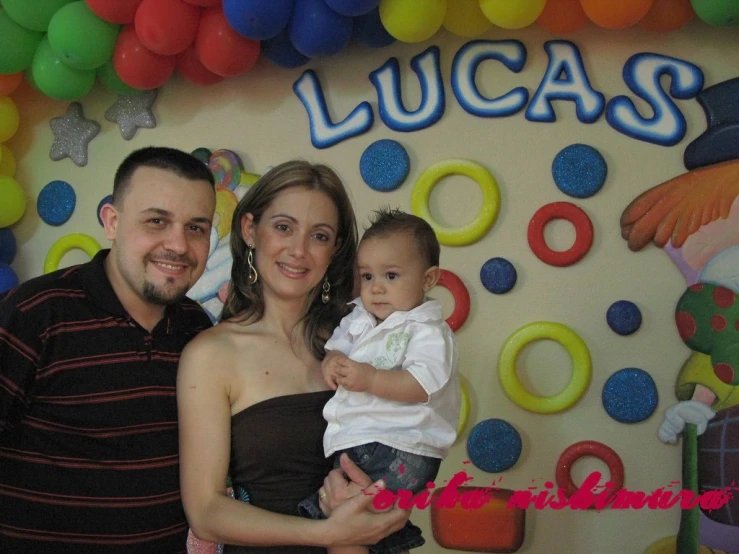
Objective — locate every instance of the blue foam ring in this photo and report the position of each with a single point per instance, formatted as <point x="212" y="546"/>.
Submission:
<point x="630" y="395"/>
<point x="56" y="202"/>
<point x="579" y="170"/>
<point x="498" y="275"/>
<point x="281" y="52"/>
<point x="369" y="30"/>
<point x="623" y="317"/>
<point x="107" y="200"/>
<point x="384" y="165"/>
<point x="8" y="278"/>
<point x="8" y="246"/>
<point x="494" y="445"/>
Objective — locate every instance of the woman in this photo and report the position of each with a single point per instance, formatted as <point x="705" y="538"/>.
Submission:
<point x="250" y="390"/>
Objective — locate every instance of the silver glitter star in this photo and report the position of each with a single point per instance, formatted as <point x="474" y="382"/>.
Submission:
<point x="72" y="135"/>
<point x="132" y="111"/>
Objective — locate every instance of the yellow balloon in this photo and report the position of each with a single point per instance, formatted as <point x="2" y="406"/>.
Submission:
<point x="464" y="18"/>
<point x="248" y="179"/>
<point x="225" y="205"/>
<point x="412" y="20"/>
<point x="12" y="201"/>
<point x="7" y="161"/>
<point x="510" y="14"/>
<point x="9" y="118"/>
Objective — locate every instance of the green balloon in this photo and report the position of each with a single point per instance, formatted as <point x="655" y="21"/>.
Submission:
<point x="109" y="78"/>
<point x="724" y="13"/>
<point x="17" y="45"/>
<point x="56" y="79"/>
<point x="33" y="14"/>
<point x="80" y="38"/>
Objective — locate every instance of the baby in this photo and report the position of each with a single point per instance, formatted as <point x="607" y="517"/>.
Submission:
<point x="393" y="364"/>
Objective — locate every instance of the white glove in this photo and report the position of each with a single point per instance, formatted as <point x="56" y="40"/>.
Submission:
<point x="676" y="416"/>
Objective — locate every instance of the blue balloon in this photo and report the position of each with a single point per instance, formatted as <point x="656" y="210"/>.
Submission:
<point x="8" y="246"/>
<point x="281" y="52"/>
<point x="258" y="19"/>
<point x="317" y="30"/>
<point x="369" y="30"/>
<point x="352" y="8"/>
<point x="8" y="278"/>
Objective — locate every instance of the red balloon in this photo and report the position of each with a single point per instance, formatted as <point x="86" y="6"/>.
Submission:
<point x="204" y="3"/>
<point x="137" y="66"/>
<point x="115" y="11"/>
<point x="192" y="69"/>
<point x="221" y="49"/>
<point x="166" y="27"/>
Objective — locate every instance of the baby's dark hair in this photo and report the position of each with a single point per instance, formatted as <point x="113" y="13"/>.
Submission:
<point x="391" y="221"/>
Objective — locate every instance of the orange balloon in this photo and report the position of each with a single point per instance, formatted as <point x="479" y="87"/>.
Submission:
<point x="9" y="82"/>
<point x="616" y="15"/>
<point x="667" y="15"/>
<point x="562" y="16"/>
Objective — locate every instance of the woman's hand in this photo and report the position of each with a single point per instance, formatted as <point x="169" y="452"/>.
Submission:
<point x="342" y="484"/>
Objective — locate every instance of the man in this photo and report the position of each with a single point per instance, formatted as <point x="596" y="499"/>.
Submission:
<point x="88" y="363"/>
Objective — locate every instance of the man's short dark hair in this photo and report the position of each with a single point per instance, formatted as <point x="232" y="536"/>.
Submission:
<point x="387" y="221"/>
<point x="178" y="162"/>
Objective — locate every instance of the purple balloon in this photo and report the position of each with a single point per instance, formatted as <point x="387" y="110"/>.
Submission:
<point x="352" y="8"/>
<point x="258" y="19"/>
<point x="317" y="30"/>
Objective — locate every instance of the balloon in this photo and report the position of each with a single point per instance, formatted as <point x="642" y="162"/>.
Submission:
<point x="52" y="77"/>
<point x="616" y="15"/>
<point x="667" y="15"/>
<point x="204" y="3"/>
<point x="12" y="201"/>
<point x="368" y="29"/>
<point x="352" y="8"/>
<point x="9" y="82"/>
<point x="115" y="11"/>
<point x="464" y="18"/>
<point x="256" y="19"/>
<point x="166" y="27"/>
<point x="9" y="119"/>
<point x="8" y="246"/>
<point x="33" y="14"/>
<point x="17" y="45"/>
<point x="281" y="52"/>
<point x="412" y="20"/>
<point x="562" y="16"/>
<point x="8" y="278"/>
<point x="717" y="12"/>
<point x="137" y="66"/>
<point x="7" y="161"/>
<point x="512" y="15"/>
<point x="317" y="30"/>
<point x="192" y="69"/>
<point x="221" y="49"/>
<point x="107" y="75"/>
<point x="80" y="38"/>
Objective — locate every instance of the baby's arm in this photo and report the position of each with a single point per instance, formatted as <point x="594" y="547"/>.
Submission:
<point x="398" y="385"/>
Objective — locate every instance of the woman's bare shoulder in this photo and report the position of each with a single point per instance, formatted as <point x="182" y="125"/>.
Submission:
<point x="222" y="342"/>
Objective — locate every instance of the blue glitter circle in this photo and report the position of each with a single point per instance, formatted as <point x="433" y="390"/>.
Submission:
<point x="56" y="202"/>
<point x="8" y="278"/>
<point x="579" y="170"/>
<point x="498" y="275"/>
<point x="107" y="200"/>
<point x="8" y="246"/>
<point x="494" y="445"/>
<point x="384" y="165"/>
<point x="623" y="317"/>
<point x="630" y="395"/>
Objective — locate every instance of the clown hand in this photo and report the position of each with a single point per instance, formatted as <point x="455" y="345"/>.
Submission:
<point x="677" y="415"/>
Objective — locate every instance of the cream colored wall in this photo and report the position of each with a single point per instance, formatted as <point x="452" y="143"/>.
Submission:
<point x="260" y="118"/>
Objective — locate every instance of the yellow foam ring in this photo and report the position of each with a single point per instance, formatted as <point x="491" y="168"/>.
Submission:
<point x="225" y="205"/>
<point x="668" y="545"/>
<point x="68" y="242"/>
<point x="7" y="161"/>
<point x="248" y="179"/>
<point x="464" y="412"/>
<point x="581" y="367"/>
<point x="474" y="231"/>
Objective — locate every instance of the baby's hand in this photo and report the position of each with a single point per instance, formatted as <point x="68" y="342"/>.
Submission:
<point x="330" y="368"/>
<point x="355" y="376"/>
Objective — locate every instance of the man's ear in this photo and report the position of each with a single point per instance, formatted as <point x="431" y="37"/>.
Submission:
<point x="431" y="277"/>
<point x="248" y="229"/>
<point x="109" y="216"/>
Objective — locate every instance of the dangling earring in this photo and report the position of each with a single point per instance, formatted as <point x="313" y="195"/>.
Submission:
<point x="325" y="297"/>
<point x="253" y="275"/>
